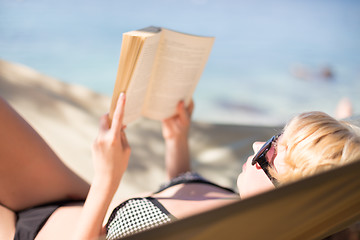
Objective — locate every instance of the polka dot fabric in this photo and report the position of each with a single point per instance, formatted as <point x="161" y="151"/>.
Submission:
<point x="135" y="215"/>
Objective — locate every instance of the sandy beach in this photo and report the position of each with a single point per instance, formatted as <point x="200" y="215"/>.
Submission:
<point x="67" y="117"/>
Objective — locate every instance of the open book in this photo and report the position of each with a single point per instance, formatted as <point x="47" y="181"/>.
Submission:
<point x="158" y="68"/>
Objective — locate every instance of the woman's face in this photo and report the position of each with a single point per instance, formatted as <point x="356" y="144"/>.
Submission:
<point x="253" y="180"/>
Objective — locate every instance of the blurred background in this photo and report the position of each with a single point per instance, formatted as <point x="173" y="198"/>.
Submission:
<point x="270" y="60"/>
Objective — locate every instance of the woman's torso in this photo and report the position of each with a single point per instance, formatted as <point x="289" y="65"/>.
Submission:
<point x="184" y="200"/>
<point x="181" y="200"/>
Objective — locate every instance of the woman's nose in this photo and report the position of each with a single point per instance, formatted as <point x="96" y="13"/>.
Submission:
<point x="257" y="145"/>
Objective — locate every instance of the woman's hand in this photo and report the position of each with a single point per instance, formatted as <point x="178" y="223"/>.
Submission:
<point x="177" y="127"/>
<point x="111" y="150"/>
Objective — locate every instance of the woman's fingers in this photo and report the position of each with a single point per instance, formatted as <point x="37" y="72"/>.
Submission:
<point x="181" y="111"/>
<point x="117" y="124"/>
<point x="104" y="122"/>
<point x="190" y="107"/>
<point x="185" y="112"/>
<point x="124" y="140"/>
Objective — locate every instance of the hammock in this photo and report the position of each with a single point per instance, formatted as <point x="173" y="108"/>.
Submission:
<point x="312" y="208"/>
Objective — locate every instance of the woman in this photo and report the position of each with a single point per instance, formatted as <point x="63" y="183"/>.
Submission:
<point x="31" y="175"/>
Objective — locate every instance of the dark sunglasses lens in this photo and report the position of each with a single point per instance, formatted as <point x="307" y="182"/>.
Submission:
<point x="264" y="148"/>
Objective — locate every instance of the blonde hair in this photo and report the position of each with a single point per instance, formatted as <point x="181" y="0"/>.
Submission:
<point x="316" y="142"/>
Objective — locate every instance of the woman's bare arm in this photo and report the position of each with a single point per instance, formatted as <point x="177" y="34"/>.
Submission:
<point x="175" y="131"/>
<point x="111" y="153"/>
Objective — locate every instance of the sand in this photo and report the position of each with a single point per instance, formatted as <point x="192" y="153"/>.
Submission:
<point x="67" y="117"/>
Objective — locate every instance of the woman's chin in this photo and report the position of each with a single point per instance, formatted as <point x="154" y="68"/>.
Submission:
<point x="239" y="183"/>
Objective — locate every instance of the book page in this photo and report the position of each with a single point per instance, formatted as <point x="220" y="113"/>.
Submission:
<point x="136" y="90"/>
<point x="180" y="61"/>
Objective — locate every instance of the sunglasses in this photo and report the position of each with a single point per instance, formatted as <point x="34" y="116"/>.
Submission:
<point x="267" y="161"/>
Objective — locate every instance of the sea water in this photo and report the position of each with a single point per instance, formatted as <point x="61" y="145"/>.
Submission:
<point x="270" y="60"/>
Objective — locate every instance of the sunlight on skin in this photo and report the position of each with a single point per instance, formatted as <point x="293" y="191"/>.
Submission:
<point x="253" y="180"/>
